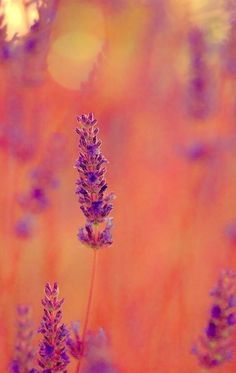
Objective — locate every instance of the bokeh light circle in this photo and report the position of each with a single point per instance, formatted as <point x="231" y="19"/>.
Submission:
<point x="72" y="58"/>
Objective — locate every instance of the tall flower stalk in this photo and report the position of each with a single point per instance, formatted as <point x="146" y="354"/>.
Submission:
<point x="95" y="203"/>
<point x="52" y="352"/>
<point x="215" y="346"/>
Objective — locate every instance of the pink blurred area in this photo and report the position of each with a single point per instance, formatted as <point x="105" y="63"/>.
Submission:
<point x="128" y="63"/>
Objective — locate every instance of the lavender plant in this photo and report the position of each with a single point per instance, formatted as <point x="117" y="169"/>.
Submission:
<point x="52" y="353"/>
<point x="95" y="203"/>
<point x="23" y="359"/>
<point x="91" y="186"/>
<point x="215" y="346"/>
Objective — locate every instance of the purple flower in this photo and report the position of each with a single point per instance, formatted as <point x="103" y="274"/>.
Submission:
<point x="52" y="352"/>
<point x="100" y="366"/>
<point x="6" y="46"/>
<point x="24" y="354"/>
<point x="23" y="227"/>
<point x="230" y="232"/>
<point x="35" y="200"/>
<point x="216" y="311"/>
<point x="198" y="88"/>
<point x="91" y="188"/>
<point x="97" y="353"/>
<point x="39" y="198"/>
<point x="75" y="344"/>
<point x="89" y="236"/>
<point x="215" y="345"/>
<point x="198" y="151"/>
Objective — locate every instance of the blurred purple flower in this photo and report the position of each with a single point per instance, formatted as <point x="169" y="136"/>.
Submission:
<point x="24" y="354"/>
<point x="43" y="178"/>
<point x="52" y="353"/>
<point x="75" y="344"/>
<point x="96" y="340"/>
<point x="13" y="136"/>
<point x="97" y="353"/>
<point x="96" y="205"/>
<point x="230" y="232"/>
<point x="198" y="86"/>
<point x="215" y="346"/>
<point x="199" y="151"/>
<point x="23" y="228"/>
<point x="44" y="174"/>
<point x="100" y="366"/>
<point x="35" y="200"/>
<point x="55" y="157"/>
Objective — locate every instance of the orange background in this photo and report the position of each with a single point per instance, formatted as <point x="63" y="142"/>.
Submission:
<point x="126" y="61"/>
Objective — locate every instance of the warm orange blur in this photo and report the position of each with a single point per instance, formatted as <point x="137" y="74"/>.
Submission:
<point x="128" y="62"/>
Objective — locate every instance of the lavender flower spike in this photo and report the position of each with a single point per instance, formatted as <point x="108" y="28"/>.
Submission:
<point x="24" y="352"/>
<point x="52" y="352"/>
<point x="96" y="205"/>
<point x="215" y="346"/>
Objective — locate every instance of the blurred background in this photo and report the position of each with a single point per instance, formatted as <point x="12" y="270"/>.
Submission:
<point x="159" y="76"/>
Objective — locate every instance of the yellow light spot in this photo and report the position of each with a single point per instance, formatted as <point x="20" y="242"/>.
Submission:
<point x="17" y="17"/>
<point x="212" y="17"/>
<point x="72" y="58"/>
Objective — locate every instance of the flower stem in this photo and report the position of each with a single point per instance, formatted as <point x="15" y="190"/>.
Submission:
<point x="90" y="297"/>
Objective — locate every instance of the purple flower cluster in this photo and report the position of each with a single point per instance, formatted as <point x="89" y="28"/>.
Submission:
<point x="96" y="205"/>
<point x="199" y="151"/>
<point x="24" y="354"/>
<point x="97" y="353"/>
<point x="18" y="142"/>
<point x="52" y="353"/>
<point x="230" y="232"/>
<point x="100" y="366"/>
<point x="35" y="200"/>
<point x="43" y="179"/>
<point x="199" y="82"/>
<point x="23" y="227"/>
<point x="215" y="346"/>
